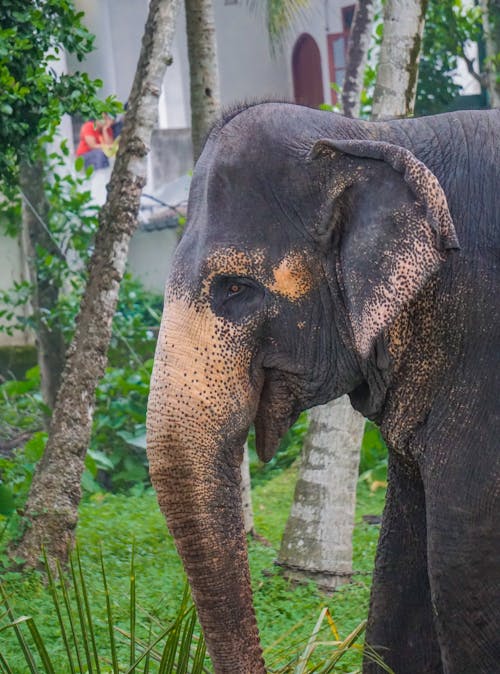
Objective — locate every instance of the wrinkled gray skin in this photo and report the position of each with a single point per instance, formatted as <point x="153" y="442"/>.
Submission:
<point x="325" y="256"/>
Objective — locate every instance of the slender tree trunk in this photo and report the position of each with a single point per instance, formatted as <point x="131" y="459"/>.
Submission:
<point x="246" y="493"/>
<point x="203" y="69"/>
<point x="396" y="85"/>
<point x="317" y="543"/>
<point x="52" y="508"/>
<point x="357" y="54"/>
<point x="50" y="344"/>
<point x="491" y="23"/>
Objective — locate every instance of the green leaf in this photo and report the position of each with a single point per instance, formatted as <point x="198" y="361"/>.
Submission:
<point x="7" y="501"/>
<point x="88" y="483"/>
<point x="35" y="446"/>
<point x="102" y="461"/>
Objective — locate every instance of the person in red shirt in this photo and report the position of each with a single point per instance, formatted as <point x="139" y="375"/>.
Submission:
<point x="94" y="136"/>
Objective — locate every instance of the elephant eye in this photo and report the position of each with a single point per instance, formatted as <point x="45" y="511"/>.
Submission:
<point x="234" y="289"/>
<point x="236" y="298"/>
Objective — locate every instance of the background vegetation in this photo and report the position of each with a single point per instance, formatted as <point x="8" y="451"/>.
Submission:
<point x="114" y="523"/>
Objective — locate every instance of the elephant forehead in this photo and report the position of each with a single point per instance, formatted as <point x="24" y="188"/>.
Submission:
<point x="291" y="276"/>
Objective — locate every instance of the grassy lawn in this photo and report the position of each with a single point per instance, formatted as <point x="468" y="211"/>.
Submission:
<point x="114" y="523"/>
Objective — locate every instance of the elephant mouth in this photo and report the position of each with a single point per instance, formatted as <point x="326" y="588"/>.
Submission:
<point x="277" y="411"/>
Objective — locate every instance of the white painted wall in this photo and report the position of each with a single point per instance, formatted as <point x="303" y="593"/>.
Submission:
<point x="150" y="257"/>
<point x="12" y="268"/>
<point x="246" y="67"/>
<point x="174" y="110"/>
<point x="100" y="63"/>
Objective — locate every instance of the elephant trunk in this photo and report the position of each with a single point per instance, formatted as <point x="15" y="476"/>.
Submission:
<point x="194" y="456"/>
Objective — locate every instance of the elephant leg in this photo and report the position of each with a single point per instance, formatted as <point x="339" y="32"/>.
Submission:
<point x="401" y="625"/>
<point x="464" y="566"/>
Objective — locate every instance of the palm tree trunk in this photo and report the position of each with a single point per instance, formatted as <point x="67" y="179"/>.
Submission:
<point x="357" y="54"/>
<point x="317" y="542"/>
<point x="491" y="23"/>
<point x="203" y="69"/>
<point x="246" y="493"/>
<point x="51" y="511"/>
<point x="396" y="85"/>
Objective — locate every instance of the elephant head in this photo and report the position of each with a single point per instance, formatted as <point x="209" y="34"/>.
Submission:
<point x="306" y="238"/>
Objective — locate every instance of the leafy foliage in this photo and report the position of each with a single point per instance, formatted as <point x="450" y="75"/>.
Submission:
<point x="116" y="457"/>
<point x="155" y="649"/>
<point x="373" y="461"/>
<point x="448" y="28"/>
<point x="33" y="95"/>
<point x="287" y="613"/>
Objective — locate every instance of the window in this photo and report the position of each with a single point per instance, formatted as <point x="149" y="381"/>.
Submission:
<point x="337" y="50"/>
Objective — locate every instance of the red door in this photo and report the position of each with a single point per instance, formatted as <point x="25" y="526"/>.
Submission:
<point x="307" y="75"/>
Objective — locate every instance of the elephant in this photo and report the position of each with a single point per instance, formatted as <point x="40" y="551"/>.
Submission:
<point x="326" y="256"/>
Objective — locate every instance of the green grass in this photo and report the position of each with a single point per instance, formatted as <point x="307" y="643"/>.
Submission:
<point x="116" y="522"/>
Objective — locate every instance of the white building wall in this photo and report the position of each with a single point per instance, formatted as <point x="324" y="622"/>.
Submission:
<point x="174" y="109"/>
<point x="100" y="63"/>
<point x="12" y="269"/>
<point x="246" y="67"/>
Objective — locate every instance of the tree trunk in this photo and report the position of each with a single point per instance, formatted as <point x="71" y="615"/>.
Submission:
<point x="317" y="543"/>
<point x="491" y="23"/>
<point x="203" y="69"/>
<point x="396" y="85"/>
<point x="50" y="344"/>
<point x="52" y="508"/>
<point x="246" y="493"/>
<point x="357" y="54"/>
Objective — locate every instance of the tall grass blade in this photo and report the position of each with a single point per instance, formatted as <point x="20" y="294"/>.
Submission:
<point x="4" y="665"/>
<point x="88" y="612"/>
<point x="44" y="656"/>
<point x="372" y="655"/>
<point x="150" y="648"/>
<point x="132" y="608"/>
<point x="333" y="626"/>
<point x="81" y="616"/>
<point x="22" y="641"/>
<point x="172" y="643"/>
<point x="304" y="659"/>
<point x="185" y="647"/>
<point x="109" y="615"/>
<point x="344" y="646"/>
<point x="199" y="656"/>
<point x="148" y="651"/>
<point x="170" y="649"/>
<point x="57" y="606"/>
<point x="69" y="613"/>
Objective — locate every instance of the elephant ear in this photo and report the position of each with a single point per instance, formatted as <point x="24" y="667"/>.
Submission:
<point x="392" y="226"/>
